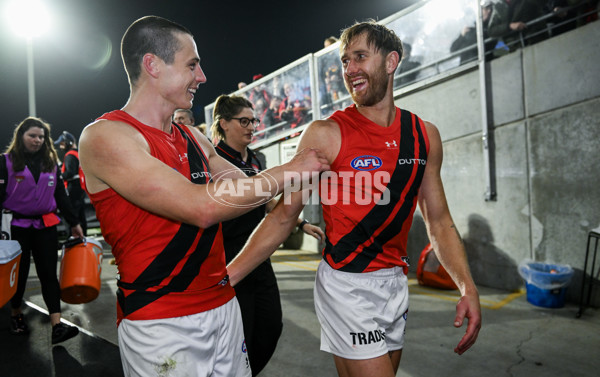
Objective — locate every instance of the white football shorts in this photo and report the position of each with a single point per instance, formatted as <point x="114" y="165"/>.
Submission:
<point x="362" y="315"/>
<point x="204" y="344"/>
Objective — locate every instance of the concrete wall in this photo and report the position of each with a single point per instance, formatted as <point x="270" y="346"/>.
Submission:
<point x="546" y="116"/>
<point x="546" y="112"/>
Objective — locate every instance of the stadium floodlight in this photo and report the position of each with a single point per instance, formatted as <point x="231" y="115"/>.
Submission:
<point x="29" y="19"/>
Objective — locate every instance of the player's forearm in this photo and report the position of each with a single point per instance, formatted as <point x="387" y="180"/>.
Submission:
<point x="262" y="244"/>
<point x="234" y="196"/>
<point x="271" y="233"/>
<point x="230" y="196"/>
<point x="450" y="250"/>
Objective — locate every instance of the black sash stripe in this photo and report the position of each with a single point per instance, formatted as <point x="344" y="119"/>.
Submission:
<point x="164" y="263"/>
<point x="196" y="158"/>
<point x="363" y="259"/>
<point x="141" y="297"/>
<point x="191" y="268"/>
<point x="379" y="213"/>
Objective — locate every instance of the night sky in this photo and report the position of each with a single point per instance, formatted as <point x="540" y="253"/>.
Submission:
<point x="78" y="70"/>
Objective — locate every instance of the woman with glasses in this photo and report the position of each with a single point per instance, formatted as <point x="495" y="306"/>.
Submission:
<point x="258" y="295"/>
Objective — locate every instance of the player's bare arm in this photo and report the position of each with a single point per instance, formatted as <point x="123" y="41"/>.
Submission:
<point x="115" y="155"/>
<point x="446" y="241"/>
<point x="322" y="135"/>
<point x="228" y="170"/>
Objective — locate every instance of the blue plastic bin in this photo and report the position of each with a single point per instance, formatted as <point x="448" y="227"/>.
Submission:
<point x="546" y="283"/>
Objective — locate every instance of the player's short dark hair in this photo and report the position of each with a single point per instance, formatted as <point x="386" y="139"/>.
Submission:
<point x="149" y="34"/>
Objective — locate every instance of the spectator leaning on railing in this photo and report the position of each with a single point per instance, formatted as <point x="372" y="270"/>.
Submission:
<point x="569" y="14"/>
<point x="510" y="17"/>
<point x="468" y="36"/>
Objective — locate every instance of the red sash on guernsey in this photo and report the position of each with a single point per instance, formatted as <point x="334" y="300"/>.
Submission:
<point x="166" y="268"/>
<point x="362" y="235"/>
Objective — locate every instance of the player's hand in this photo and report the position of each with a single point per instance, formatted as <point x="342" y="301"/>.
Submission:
<point x="309" y="160"/>
<point x="315" y="231"/>
<point x="468" y="307"/>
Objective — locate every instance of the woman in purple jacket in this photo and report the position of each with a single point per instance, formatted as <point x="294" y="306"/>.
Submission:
<point x="32" y="189"/>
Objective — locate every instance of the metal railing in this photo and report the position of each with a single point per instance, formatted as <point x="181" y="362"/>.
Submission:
<point x="430" y="26"/>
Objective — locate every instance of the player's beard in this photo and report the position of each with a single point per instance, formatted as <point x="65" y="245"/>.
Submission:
<point x="377" y="85"/>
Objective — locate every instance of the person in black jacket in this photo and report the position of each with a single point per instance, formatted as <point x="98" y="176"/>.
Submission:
<point x="73" y="176"/>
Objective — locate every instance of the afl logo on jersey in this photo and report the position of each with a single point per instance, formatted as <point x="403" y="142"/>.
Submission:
<point x="366" y="163"/>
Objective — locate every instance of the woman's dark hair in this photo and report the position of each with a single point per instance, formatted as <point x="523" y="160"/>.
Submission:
<point x="227" y="107"/>
<point x="16" y="148"/>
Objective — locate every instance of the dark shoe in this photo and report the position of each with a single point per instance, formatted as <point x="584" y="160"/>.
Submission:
<point x="18" y="325"/>
<point x="62" y="332"/>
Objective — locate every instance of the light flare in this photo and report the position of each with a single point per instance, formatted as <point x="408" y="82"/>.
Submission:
<point x="28" y="18"/>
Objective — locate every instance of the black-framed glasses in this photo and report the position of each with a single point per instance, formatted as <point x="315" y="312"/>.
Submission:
<point x="245" y="122"/>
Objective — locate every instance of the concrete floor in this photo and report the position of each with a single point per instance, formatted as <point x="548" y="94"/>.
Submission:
<point x="517" y="338"/>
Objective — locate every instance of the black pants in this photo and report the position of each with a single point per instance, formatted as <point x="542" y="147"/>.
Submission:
<point x="43" y="245"/>
<point x="77" y="199"/>
<point x="260" y="304"/>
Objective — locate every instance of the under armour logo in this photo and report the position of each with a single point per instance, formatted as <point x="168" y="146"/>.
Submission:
<point x="391" y="144"/>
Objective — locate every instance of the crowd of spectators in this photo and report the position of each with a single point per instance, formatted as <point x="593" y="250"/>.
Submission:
<point x="512" y="24"/>
<point x="407" y="71"/>
<point x="281" y="104"/>
<point x="284" y="102"/>
<point x="466" y="42"/>
<point x="331" y="81"/>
